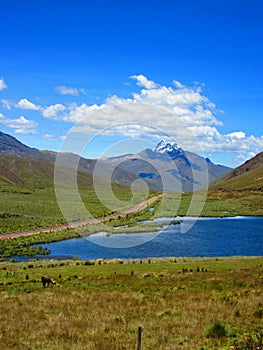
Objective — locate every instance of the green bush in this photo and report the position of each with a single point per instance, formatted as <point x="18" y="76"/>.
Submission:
<point x="216" y="330"/>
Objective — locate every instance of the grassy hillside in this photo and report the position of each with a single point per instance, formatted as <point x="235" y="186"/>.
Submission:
<point x="241" y="188"/>
<point x="33" y="173"/>
<point x="23" y="165"/>
<point x="180" y="304"/>
<point x="247" y="177"/>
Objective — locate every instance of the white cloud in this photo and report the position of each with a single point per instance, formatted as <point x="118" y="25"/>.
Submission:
<point x="178" y="84"/>
<point x="2" y="84"/>
<point x="7" y="104"/>
<point x="182" y="112"/>
<point x="65" y="90"/>
<point x="23" y="103"/>
<point x="55" y="112"/>
<point x="237" y="135"/>
<point x="26" y="104"/>
<point x="50" y="137"/>
<point x="143" y="81"/>
<point x="80" y="113"/>
<point x="21" y="125"/>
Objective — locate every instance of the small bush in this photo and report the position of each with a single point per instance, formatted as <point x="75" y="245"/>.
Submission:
<point x="216" y="330"/>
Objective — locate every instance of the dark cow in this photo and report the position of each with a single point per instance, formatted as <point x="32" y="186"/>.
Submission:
<point x="46" y="280"/>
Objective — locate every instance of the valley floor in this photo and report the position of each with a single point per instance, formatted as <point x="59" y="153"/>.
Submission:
<point x="180" y="303"/>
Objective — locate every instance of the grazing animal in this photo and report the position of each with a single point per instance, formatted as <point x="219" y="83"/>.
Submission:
<point x="46" y="280"/>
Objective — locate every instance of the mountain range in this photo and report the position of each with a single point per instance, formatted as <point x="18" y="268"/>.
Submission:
<point x="23" y="165"/>
<point x="166" y="167"/>
<point x="170" y="168"/>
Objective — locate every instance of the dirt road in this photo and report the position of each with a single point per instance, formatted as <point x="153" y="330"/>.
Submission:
<point x="139" y="207"/>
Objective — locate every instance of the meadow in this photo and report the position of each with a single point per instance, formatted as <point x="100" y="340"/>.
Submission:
<point x="23" y="208"/>
<point x="197" y="304"/>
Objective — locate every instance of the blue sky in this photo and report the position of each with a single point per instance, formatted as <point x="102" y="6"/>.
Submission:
<point x="102" y="70"/>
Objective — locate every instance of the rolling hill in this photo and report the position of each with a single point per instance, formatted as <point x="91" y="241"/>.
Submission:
<point x="166" y="167"/>
<point x="246" y="177"/>
<point x="33" y="173"/>
<point x="23" y="165"/>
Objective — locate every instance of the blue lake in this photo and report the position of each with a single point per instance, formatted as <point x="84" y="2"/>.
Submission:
<point x="206" y="238"/>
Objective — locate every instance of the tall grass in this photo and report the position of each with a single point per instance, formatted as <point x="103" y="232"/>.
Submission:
<point x="100" y="306"/>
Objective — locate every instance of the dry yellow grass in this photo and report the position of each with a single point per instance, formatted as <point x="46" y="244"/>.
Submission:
<point x="101" y="306"/>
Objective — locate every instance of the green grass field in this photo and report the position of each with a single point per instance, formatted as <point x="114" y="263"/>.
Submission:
<point x="214" y="204"/>
<point x="24" y="208"/>
<point x="180" y="303"/>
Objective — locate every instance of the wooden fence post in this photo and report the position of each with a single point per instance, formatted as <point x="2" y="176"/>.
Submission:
<point x="139" y="338"/>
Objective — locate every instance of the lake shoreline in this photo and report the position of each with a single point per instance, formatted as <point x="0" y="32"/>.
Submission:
<point x="147" y="260"/>
<point x="173" y="238"/>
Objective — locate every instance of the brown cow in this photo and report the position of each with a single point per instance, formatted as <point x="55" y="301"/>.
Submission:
<point x="46" y="280"/>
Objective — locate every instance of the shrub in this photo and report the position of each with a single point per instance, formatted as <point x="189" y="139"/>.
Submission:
<point x="216" y="330"/>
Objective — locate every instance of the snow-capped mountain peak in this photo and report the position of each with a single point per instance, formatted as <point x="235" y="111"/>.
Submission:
<point x="167" y="147"/>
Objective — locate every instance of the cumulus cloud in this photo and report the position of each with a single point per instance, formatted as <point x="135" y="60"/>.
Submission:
<point x="20" y="125"/>
<point x="160" y="106"/>
<point x="65" y="90"/>
<point x="144" y="82"/>
<point x="55" y="112"/>
<point x="183" y="112"/>
<point x="26" y="104"/>
<point x="237" y="135"/>
<point x="2" y="84"/>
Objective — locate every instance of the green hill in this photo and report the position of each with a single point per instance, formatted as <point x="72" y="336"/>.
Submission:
<point x="240" y="191"/>
<point x="23" y="165"/>
<point x="246" y="177"/>
<point x="33" y="173"/>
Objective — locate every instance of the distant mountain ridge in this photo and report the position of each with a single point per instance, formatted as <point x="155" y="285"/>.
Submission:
<point x="165" y="167"/>
<point x="9" y="145"/>
<point x="168" y="167"/>
<point x="23" y="165"/>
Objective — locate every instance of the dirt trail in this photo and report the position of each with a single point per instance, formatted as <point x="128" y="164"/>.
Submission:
<point x="139" y="207"/>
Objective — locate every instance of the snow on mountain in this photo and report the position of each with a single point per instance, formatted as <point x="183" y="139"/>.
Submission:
<point x="164" y="146"/>
<point x="168" y="147"/>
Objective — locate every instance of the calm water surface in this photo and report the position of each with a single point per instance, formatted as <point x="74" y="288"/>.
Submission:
<point x="206" y="238"/>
